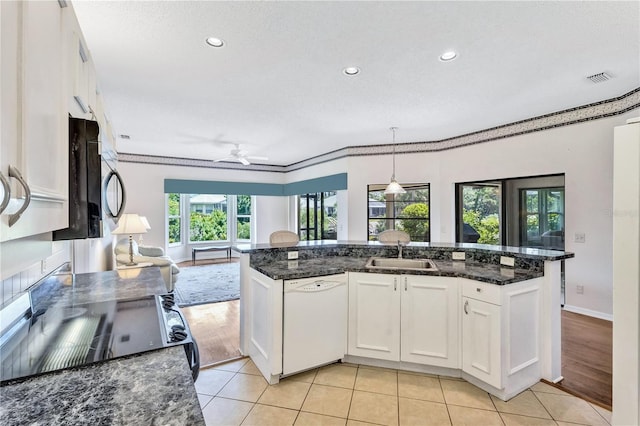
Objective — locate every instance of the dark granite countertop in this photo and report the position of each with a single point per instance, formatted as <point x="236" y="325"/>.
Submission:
<point x="524" y="252"/>
<point x="153" y="388"/>
<point x="66" y="289"/>
<point x="494" y="274"/>
<point x="150" y="388"/>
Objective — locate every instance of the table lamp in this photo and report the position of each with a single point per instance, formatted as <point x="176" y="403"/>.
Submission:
<point x="129" y="224"/>
<point x="146" y="225"/>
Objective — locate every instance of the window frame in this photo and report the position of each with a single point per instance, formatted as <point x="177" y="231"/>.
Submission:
<point x="390" y="204"/>
<point x="178" y="217"/>
<point x="318" y="225"/>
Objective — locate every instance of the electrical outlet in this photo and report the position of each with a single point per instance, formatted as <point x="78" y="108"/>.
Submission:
<point x="580" y="237"/>
<point x="292" y="264"/>
<point x="507" y="261"/>
<point x="580" y="289"/>
<point x="292" y="255"/>
<point x="458" y="255"/>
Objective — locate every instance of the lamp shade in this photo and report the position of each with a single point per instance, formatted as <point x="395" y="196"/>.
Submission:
<point x="145" y="222"/>
<point x="130" y="223"/>
<point x="394" y="188"/>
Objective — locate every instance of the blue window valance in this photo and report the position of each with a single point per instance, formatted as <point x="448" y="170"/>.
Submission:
<point x="322" y="184"/>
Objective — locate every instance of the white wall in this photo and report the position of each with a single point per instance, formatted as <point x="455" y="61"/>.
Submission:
<point x="583" y="152"/>
<point x="145" y="195"/>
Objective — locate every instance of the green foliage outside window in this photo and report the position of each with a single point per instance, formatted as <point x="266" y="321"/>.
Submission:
<point x="208" y="227"/>
<point x="174" y="218"/>
<point x="480" y="207"/>
<point x="417" y="229"/>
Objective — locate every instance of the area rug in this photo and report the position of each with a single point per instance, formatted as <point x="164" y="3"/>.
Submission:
<point x="197" y="285"/>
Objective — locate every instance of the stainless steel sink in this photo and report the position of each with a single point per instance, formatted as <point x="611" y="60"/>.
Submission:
<point x="395" y="263"/>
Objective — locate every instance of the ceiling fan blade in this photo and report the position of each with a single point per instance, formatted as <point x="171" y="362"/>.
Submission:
<point x="257" y="157"/>
<point x="224" y="159"/>
<point x="244" y="161"/>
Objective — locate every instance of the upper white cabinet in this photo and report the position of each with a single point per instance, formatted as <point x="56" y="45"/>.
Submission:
<point x="34" y="117"/>
<point x="81" y="90"/>
<point x="411" y="318"/>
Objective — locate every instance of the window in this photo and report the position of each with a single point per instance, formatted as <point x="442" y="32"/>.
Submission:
<point x="407" y="212"/>
<point x="542" y="218"/>
<point x="318" y="216"/>
<point x="175" y="224"/>
<point x="243" y="215"/>
<point x="207" y="217"/>
<point x="479" y="212"/>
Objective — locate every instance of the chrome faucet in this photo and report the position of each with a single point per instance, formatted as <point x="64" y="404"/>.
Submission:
<point x="399" y="250"/>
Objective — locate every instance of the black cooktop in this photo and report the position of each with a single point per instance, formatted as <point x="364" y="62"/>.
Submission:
<point x="72" y="336"/>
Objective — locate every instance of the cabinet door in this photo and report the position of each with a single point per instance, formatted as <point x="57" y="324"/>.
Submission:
<point x="481" y="337"/>
<point x="265" y="328"/>
<point x="374" y="316"/>
<point x="429" y="321"/>
<point x="37" y="132"/>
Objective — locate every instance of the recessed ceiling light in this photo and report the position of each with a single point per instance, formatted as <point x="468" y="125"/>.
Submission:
<point x="215" y="42"/>
<point x="351" y="71"/>
<point x="448" y="56"/>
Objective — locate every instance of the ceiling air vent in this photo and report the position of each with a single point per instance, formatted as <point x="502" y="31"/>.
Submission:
<point x="599" y="78"/>
<point x="125" y="137"/>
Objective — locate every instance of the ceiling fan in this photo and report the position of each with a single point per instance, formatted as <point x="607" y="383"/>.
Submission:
<point x="240" y="156"/>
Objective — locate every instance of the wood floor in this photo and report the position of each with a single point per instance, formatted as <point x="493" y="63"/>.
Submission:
<point x="216" y="328"/>
<point x="587" y="358"/>
<point x="587" y="346"/>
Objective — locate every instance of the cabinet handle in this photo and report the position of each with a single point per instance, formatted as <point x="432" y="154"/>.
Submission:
<point x="466" y="307"/>
<point x="405" y="283"/>
<point x="107" y="179"/>
<point x="7" y="192"/>
<point x="395" y="284"/>
<point x="15" y="173"/>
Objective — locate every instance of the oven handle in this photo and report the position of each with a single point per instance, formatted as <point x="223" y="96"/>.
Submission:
<point x="193" y="355"/>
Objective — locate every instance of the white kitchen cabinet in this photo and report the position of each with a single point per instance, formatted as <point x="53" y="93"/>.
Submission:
<point x="429" y="320"/>
<point x="501" y="334"/>
<point x="481" y="338"/>
<point x="264" y="301"/>
<point x="374" y="316"/>
<point x="34" y="116"/>
<point x="81" y="85"/>
<point x="411" y="318"/>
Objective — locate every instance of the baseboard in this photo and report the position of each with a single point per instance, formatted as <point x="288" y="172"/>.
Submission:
<point x="588" y="312"/>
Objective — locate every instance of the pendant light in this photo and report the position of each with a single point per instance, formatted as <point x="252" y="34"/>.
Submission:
<point x="394" y="187"/>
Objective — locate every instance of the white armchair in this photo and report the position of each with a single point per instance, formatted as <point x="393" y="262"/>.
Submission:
<point x="149" y="254"/>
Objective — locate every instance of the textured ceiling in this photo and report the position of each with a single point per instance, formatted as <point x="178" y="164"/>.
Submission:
<point x="277" y="86"/>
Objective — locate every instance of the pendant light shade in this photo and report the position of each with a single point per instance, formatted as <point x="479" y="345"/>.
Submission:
<point x="394" y="187"/>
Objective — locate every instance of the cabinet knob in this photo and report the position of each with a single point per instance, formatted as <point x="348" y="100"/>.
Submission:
<point x="478" y="289"/>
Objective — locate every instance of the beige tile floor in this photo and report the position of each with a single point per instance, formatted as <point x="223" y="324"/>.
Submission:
<point x="345" y="394"/>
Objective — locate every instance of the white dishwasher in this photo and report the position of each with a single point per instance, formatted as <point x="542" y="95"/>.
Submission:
<point x="315" y="322"/>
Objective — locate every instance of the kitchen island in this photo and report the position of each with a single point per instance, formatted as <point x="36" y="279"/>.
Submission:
<point x="153" y="387"/>
<point x="488" y="314"/>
